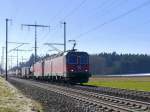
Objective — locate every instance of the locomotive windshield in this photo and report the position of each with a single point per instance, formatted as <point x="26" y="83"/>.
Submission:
<point x="72" y="59"/>
<point x="83" y="60"/>
<point x="78" y="58"/>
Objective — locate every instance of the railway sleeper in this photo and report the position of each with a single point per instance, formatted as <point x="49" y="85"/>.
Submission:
<point x="137" y="106"/>
<point x="104" y="108"/>
<point x="128" y="104"/>
<point x="145" y="108"/>
<point x="108" y="99"/>
<point x="115" y="101"/>
<point x="122" y="102"/>
<point x="142" y="109"/>
<point x="111" y="110"/>
<point x="93" y="104"/>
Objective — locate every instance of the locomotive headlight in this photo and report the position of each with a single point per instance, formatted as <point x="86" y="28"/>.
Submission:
<point x="86" y="70"/>
<point x="72" y="70"/>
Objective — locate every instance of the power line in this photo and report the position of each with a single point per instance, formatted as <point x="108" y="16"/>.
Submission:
<point x="69" y="14"/>
<point x="20" y="50"/>
<point x="58" y="13"/>
<point x="54" y="18"/>
<point x="46" y="35"/>
<point x="101" y="8"/>
<point x="112" y="8"/>
<point x="74" y="10"/>
<point x="115" y="19"/>
<point x="53" y="47"/>
<point x="104" y="3"/>
<point x="64" y="44"/>
<point x="20" y="44"/>
<point x="35" y="27"/>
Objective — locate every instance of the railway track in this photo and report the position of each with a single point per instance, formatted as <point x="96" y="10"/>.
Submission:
<point x="93" y="101"/>
<point x="123" y="93"/>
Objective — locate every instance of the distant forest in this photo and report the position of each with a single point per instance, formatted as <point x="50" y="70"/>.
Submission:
<point x="110" y="63"/>
<point x="113" y="63"/>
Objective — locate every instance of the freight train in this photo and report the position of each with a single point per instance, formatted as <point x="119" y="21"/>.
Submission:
<point x="72" y="66"/>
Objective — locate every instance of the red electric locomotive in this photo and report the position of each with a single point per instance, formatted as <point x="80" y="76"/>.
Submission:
<point x="71" y="66"/>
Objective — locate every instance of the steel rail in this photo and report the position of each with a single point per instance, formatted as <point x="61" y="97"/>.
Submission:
<point x="96" y="99"/>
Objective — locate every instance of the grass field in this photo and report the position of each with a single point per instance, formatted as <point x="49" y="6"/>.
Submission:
<point x="13" y="101"/>
<point x="132" y="83"/>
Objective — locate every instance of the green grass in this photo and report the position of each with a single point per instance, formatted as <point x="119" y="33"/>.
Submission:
<point x="11" y="100"/>
<point x="131" y="83"/>
<point x="5" y="95"/>
<point x="7" y="109"/>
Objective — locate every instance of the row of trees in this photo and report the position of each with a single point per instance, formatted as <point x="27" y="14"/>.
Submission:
<point x="30" y="62"/>
<point x="1" y="70"/>
<point x="113" y="63"/>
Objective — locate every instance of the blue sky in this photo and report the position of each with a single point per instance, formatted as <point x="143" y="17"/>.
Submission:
<point x="129" y="34"/>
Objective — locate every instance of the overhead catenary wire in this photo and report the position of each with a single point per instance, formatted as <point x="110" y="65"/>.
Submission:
<point x="110" y="6"/>
<point x="74" y="10"/>
<point x="35" y="26"/>
<point x="58" y="13"/>
<point x="53" y="19"/>
<point x="104" y="3"/>
<point x="111" y="9"/>
<point x="68" y="15"/>
<point x="101" y="7"/>
<point x="47" y="34"/>
<point x="114" y="19"/>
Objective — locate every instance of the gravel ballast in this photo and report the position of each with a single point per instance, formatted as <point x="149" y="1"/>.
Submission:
<point x="51" y="101"/>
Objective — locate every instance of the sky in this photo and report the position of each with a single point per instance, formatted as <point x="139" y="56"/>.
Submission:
<point x="96" y="25"/>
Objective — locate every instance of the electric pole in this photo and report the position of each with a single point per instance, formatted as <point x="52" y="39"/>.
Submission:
<point x="35" y="28"/>
<point x="61" y="44"/>
<point x="53" y="47"/>
<point x="11" y="61"/>
<point x="7" y="20"/>
<point x="22" y="59"/>
<point x="18" y="50"/>
<point x="17" y="57"/>
<point x="20" y="44"/>
<point x="2" y="59"/>
<point x="64" y="36"/>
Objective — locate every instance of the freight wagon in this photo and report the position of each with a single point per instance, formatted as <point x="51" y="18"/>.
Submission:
<point x="25" y="71"/>
<point x="71" y="67"/>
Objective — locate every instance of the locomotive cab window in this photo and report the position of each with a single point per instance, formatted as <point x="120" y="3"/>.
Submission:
<point x="72" y="59"/>
<point x="83" y="60"/>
